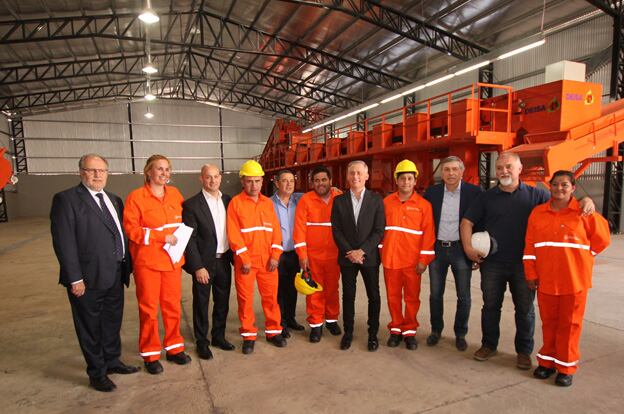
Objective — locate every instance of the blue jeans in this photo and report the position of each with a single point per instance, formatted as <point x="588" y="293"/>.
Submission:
<point x="494" y="279"/>
<point x="452" y="256"/>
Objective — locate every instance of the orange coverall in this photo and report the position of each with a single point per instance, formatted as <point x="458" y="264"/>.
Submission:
<point x="314" y="241"/>
<point x="255" y="236"/>
<point x="147" y="221"/>
<point x="409" y="240"/>
<point x="559" y="253"/>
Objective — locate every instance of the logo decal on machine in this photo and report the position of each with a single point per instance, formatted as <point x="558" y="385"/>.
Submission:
<point x="589" y="98"/>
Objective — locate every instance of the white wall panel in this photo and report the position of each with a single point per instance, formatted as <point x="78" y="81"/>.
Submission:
<point x="4" y="133"/>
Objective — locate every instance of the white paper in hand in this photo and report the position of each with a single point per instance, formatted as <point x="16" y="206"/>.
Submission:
<point x="183" y="234"/>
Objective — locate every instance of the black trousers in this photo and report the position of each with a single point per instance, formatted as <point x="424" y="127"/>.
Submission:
<point x="220" y="284"/>
<point x="286" y="292"/>
<point x="97" y="318"/>
<point x="371" y="282"/>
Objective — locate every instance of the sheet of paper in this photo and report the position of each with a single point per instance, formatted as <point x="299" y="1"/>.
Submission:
<point x="183" y="234"/>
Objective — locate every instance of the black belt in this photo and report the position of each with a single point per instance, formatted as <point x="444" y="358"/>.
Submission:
<point x="446" y="243"/>
<point x="222" y="255"/>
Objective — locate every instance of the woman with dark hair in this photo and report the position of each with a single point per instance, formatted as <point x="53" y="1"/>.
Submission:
<point x="558" y="258"/>
<point x="152" y="214"/>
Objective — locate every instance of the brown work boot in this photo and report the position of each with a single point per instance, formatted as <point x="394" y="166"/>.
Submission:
<point x="524" y="361"/>
<point x="484" y="353"/>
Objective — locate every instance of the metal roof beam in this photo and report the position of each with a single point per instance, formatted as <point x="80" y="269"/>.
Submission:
<point x="611" y="7"/>
<point x="169" y="89"/>
<point x="404" y="25"/>
<point x="235" y="38"/>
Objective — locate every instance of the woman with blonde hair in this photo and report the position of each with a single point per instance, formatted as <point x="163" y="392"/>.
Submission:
<point x="153" y="212"/>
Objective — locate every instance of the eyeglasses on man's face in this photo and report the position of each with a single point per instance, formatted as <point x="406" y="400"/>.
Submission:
<point x="94" y="170"/>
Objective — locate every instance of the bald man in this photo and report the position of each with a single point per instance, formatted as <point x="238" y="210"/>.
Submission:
<point x="209" y="260"/>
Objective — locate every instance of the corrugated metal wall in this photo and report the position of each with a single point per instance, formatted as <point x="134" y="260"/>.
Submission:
<point x="56" y="140"/>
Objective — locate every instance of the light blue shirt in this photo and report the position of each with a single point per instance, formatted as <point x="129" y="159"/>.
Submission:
<point x="357" y="204"/>
<point x="449" y="216"/>
<point x="286" y="217"/>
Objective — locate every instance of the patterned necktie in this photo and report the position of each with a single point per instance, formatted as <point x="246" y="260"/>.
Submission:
<point x="111" y="222"/>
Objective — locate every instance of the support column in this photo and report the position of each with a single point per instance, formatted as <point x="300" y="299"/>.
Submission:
<point x="614" y="171"/>
<point x="16" y="129"/>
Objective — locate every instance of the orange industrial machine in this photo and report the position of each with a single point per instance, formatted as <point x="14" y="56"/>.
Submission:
<point x="552" y="126"/>
<point x="6" y="172"/>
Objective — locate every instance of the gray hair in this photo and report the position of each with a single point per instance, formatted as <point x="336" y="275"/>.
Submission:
<point x="453" y="158"/>
<point x="84" y="158"/>
<point x="357" y="162"/>
<point x="513" y="155"/>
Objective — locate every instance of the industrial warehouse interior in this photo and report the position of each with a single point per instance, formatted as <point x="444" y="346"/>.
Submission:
<point x="298" y="84"/>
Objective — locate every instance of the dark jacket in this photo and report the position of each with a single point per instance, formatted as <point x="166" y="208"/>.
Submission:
<point x="435" y="195"/>
<point x="84" y="242"/>
<point x="202" y="247"/>
<point x="366" y="234"/>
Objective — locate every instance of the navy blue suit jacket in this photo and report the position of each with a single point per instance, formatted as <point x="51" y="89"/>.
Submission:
<point x="435" y="195"/>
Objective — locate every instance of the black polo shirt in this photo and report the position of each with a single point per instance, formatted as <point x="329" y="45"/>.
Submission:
<point x="505" y="216"/>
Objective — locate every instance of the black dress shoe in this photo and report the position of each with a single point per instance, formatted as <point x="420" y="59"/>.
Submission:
<point x="278" y="340"/>
<point x="373" y="343"/>
<point x="333" y="328"/>
<point x="223" y="344"/>
<point x="103" y="384"/>
<point x="248" y="346"/>
<point x="295" y="326"/>
<point x="285" y="332"/>
<point x="154" y="367"/>
<point x="433" y="339"/>
<point x="543" y="372"/>
<point x="461" y="344"/>
<point x="203" y="351"/>
<point x="123" y="369"/>
<point x="563" y="380"/>
<point x="315" y="334"/>
<point x="394" y="340"/>
<point x="181" y="358"/>
<point x="345" y="342"/>
<point x="410" y="343"/>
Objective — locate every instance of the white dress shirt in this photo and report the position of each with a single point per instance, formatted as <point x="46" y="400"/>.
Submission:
<point x="357" y="204"/>
<point x="217" y="209"/>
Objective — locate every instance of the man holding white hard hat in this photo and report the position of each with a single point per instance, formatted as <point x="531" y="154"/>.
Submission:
<point x="503" y="211"/>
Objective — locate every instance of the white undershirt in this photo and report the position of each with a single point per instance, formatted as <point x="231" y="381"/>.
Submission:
<point x="217" y="209"/>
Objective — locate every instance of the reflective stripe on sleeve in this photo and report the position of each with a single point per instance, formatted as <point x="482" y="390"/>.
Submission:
<point x="277" y="246"/>
<point x="427" y="252"/>
<point x="379" y="246"/>
<point x="529" y="257"/>
<point x="161" y="228"/>
<point x="302" y="244"/>
<point x="241" y="250"/>
<point x="325" y="224"/>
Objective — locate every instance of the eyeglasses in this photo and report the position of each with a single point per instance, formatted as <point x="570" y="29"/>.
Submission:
<point x="94" y="170"/>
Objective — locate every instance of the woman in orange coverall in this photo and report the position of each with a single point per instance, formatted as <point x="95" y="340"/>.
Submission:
<point x="558" y="258"/>
<point x="153" y="212"/>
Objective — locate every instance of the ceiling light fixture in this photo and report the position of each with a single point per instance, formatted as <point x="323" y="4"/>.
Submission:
<point x="392" y="98"/>
<point x="150" y="69"/>
<point x="150" y="96"/>
<point x="148" y="114"/>
<point x="416" y="89"/>
<point x="471" y="68"/>
<point x="439" y="80"/>
<point x="522" y="49"/>
<point x="148" y="15"/>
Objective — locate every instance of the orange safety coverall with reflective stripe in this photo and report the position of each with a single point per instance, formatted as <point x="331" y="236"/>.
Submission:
<point x="408" y="240"/>
<point x="147" y="221"/>
<point x="314" y="241"/>
<point x="255" y="236"/>
<point x="559" y="254"/>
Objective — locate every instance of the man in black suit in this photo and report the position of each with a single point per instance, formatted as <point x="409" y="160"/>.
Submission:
<point x="209" y="260"/>
<point x="450" y="201"/>
<point x="92" y="251"/>
<point x="358" y="223"/>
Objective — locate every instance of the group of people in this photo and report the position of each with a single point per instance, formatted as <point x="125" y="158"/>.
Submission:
<point x="332" y="236"/>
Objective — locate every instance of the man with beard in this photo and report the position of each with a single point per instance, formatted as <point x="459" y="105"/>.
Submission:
<point x="317" y="252"/>
<point x="503" y="211"/>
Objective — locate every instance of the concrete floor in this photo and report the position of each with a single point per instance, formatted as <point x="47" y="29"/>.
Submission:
<point x="42" y="369"/>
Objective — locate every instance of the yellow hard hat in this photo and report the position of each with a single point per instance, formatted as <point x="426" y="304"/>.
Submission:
<point x="405" y="166"/>
<point x="305" y="285"/>
<point x="251" y="168"/>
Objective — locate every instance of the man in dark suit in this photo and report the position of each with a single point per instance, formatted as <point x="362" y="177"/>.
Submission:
<point x="92" y="251"/>
<point x="358" y="223"/>
<point x="450" y="201"/>
<point x="209" y="260"/>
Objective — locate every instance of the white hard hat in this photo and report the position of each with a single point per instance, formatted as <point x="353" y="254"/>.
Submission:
<point x="484" y="243"/>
